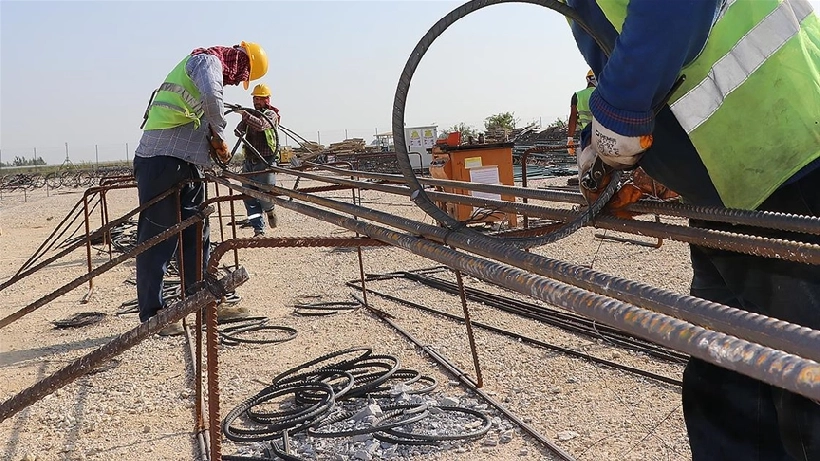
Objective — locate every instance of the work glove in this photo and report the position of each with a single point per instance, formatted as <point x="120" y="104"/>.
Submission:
<point x="586" y="160"/>
<point x="636" y="186"/>
<point x="219" y="149"/>
<point x="617" y="150"/>
<point x="570" y="145"/>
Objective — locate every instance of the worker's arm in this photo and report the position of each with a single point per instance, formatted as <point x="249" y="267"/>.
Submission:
<point x="572" y="124"/>
<point x="256" y="123"/>
<point x="657" y="39"/>
<point x="206" y="72"/>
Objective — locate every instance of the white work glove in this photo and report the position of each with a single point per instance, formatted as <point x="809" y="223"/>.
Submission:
<point x="585" y="161"/>
<point x="616" y="150"/>
<point x="570" y="145"/>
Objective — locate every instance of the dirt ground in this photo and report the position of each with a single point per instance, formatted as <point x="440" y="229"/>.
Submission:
<point x="141" y="407"/>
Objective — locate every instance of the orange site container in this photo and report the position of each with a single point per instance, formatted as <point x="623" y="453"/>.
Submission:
<point x="481" y="163"/>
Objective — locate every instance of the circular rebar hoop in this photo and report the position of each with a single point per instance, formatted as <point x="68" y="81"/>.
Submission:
<point x="417" y="195"/>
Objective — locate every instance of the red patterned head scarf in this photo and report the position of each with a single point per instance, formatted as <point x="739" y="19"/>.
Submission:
<point x="236" y="67"/>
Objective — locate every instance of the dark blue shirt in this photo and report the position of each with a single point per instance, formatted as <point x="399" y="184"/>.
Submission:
<point x="658" y="38"/>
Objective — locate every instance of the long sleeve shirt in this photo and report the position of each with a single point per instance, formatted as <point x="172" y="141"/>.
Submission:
<point x="255" y="127"/>
<point x="185" y="142"/>
<point x="657" y="40"/>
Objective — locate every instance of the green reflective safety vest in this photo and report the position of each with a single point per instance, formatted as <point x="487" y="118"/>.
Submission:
<point x="176" y="103"/>
<point x="751" y="99"/>
<point x="582" y="107"/>
<point x="270" y="139"/>
<point x="270" y="136"/>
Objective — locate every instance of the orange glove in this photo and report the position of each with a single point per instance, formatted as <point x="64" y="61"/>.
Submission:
<point x="219" y="149"/>
<point x="639" y="185"/>
<point x="570" y="145"/>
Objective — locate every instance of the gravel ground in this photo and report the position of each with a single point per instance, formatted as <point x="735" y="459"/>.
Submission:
<point x="141" y="406"/>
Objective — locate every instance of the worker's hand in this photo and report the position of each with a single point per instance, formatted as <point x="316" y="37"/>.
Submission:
<point x="616" y="150"/>
<point x="570" y="145"/>
<point x="637" y="186"/>
<point x="586" y="160"/>
<point x="219" y="149"/>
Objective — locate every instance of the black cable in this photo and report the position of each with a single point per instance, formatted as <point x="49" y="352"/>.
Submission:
<point x="80" y="319"/>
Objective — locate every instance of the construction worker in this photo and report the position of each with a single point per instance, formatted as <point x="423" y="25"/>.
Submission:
<point x="183" y="122"/>
<point x="579" y="113"/>
<point x="262" y="136"/>
<point x="740" y="131"/>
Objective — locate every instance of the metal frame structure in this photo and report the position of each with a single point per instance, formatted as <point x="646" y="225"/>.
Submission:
<point x="776" y="352"/>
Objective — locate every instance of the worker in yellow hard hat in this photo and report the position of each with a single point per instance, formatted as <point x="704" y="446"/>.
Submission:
<point x="579" y="112"/>
<point x="183" y="126"/>
<point x="261" y="133"/>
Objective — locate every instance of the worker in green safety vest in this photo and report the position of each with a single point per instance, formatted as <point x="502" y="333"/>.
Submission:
<point x="579" y="113"/>
<point x="183" y="124"/>
<point x="264" y="137"/>
<point x="720" y="101"/>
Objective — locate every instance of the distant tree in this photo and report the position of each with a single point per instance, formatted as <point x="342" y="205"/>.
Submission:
<point x="503" y="120"/>
<point x="559" y="123"/>
<point x="465" y="130"/>
<point x="22" y="161"/>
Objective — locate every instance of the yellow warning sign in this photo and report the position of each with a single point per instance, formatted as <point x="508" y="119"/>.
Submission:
<point x="472" y="162"/>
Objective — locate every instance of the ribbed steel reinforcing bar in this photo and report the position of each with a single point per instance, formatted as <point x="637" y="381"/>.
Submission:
<point x="772" y="366"/>
<point x="758" y="328"/>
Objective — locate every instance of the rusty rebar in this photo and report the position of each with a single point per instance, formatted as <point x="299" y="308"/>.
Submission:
<point x="462" y="376"/>
<point x="772" y="366"/>
<point x="753" y="327"/>
<point x="469" y="326"/>
<point x="123" y="342"/>
<point x="138" y="249"/>
<point x="211" y="319"/>
<point x="756" y="218"/>
<point x="79" y="243"/>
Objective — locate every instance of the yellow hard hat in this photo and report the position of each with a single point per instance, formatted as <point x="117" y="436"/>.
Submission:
<point x="258" y="59"/>
<point x="591" y="79"/>
<point x="261" y="90"/>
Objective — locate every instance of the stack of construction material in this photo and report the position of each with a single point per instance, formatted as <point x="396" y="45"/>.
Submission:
<point x="348" y="146"/>
<point x="308" y="150"/>
<point x="308" y="147"/>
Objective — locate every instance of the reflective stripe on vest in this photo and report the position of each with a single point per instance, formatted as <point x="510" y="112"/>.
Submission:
<point x="750" y="102"/>
<point x="582" y="107"/>
<point x="177" y="101"/>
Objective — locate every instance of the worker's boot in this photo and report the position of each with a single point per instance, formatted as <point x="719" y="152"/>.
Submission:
<point x="227" y="313"/>
<point x="272" y="220"/>
<point x="172" y="329"/>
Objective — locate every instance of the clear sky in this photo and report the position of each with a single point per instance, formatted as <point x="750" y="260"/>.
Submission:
<point x="82" y="72"/>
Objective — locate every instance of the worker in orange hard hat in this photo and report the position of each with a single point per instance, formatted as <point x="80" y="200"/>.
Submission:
<point x="183" y="126"/>
<point x="579" y="112"/>
<point x="261" y="132"/>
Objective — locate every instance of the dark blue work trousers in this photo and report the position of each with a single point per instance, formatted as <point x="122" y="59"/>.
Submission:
<point x="729" y="416"/>
<point x="156" y="175"/>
